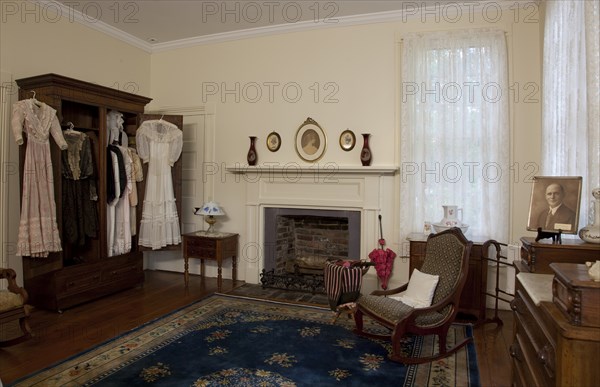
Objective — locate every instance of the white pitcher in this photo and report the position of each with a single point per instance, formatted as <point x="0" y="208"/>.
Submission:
<point x="594" y="270"/>
<point x="451" y="218"/>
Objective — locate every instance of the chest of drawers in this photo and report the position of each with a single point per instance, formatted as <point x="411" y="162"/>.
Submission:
<point x="537" y="256"/>
<point x="547" y="350"/>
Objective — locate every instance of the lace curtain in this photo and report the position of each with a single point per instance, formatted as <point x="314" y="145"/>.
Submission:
<point x="4" y="160"/>
<point x="570" y="123"/>
<point x="455" y="130"/>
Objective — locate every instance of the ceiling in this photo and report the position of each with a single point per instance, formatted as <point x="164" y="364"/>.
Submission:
<point x="153" y="24"/>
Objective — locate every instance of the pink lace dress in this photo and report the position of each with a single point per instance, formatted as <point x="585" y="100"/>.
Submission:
<point x="38" y="230"/>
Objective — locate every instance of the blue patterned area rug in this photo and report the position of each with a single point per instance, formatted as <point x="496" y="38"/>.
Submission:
<point x="233" y="341"/>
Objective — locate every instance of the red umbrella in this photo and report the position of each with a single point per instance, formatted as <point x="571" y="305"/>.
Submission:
<point x="383" y="259"/>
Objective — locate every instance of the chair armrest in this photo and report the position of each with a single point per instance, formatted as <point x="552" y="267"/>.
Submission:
<point x="7" y="274"/>
<point x="10" y="275"/>
<point x="451" y="299"/>
<point x="389" y="292"/>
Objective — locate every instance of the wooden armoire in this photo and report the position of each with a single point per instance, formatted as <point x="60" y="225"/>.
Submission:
<point x="79" y="273"/>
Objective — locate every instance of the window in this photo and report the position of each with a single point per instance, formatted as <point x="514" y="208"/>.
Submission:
<point x="454" y="130"/>
<point x="570" y="125"/>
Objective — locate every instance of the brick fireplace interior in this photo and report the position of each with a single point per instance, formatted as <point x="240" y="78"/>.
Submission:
<point x="299" y="241"/>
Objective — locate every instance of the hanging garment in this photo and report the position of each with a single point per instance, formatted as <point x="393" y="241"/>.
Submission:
<point x="116" y="181"/>
<point x="122" y="230"/>
<point x="114" y="124"/>
<point x="159" y="143"/>
<point x="137" y="173"/>
<point x="79" y="194"/>
<point x="38" y="230"/>
<point x="116" y="187"/>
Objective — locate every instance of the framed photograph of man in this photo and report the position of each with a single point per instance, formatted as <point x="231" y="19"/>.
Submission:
<point x="555" y="204"/>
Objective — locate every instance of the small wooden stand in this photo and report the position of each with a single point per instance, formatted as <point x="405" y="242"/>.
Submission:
<point x="556" y="236"/>
<point x="216" y="246"/>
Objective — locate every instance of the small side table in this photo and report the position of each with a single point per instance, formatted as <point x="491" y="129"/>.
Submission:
<point x="215" y="246"/>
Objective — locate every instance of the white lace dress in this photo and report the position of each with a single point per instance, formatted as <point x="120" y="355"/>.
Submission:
<point x="118" y="211"/>
<point x="38" y="230"/>
<point x="159" y="143"/>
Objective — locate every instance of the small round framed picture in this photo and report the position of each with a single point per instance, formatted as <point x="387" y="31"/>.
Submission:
<point x="273" y="141"/>
<point x="347" y="140"/>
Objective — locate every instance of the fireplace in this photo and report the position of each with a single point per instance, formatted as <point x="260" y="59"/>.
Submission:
<point x="298" y="242"/>
<point x="365" y="192"/>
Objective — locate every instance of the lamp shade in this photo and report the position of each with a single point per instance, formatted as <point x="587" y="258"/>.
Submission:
<point x="210" y="209"/>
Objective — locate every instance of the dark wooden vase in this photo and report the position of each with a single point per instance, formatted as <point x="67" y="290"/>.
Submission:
<point x="365" y="153"/>
<point x="252" y="156"/>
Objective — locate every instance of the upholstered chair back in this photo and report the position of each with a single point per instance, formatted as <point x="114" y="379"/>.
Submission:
<point x="444" y="257"/>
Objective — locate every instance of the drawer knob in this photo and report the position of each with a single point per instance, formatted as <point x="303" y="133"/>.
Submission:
<point x="518" y="306"/>
<point x="544" y="354"/>
<point x="515" y="351"/>
<point x="546" y="358"/>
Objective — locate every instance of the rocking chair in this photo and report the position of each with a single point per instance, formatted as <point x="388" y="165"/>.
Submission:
<point x="446" y="257"/>
<point x="13" y="308"/>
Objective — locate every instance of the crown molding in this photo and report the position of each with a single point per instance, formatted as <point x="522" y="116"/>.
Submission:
<point x="98" y="25"/>
<point x="342" y="21"/>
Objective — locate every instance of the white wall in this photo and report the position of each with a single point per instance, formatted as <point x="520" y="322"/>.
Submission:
<point x="359" y="64"/>
<point x="40" y="42"/>
<point x="348" y="77"/>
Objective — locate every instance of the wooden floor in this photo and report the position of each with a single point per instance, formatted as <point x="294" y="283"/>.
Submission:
<point x="58" y="336"/>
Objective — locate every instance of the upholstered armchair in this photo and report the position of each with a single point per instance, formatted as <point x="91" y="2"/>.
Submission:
<point x="13" y="308"/>
<point x="428" y="303"/>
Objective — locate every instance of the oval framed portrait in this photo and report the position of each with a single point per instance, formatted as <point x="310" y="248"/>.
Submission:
<point x="311" y="141"/>
<point x="273" y="141"/>
<point x="347" y="140"/>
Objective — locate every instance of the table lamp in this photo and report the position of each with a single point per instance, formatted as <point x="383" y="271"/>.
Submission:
<point x="209" y="210"/>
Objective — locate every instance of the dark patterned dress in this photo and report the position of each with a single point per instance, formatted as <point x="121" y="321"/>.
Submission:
<point x="79" y="193"/>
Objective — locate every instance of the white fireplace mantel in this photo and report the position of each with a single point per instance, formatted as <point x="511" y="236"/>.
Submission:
<point x="324" y="169"/>
<point x="325" y="186"/>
